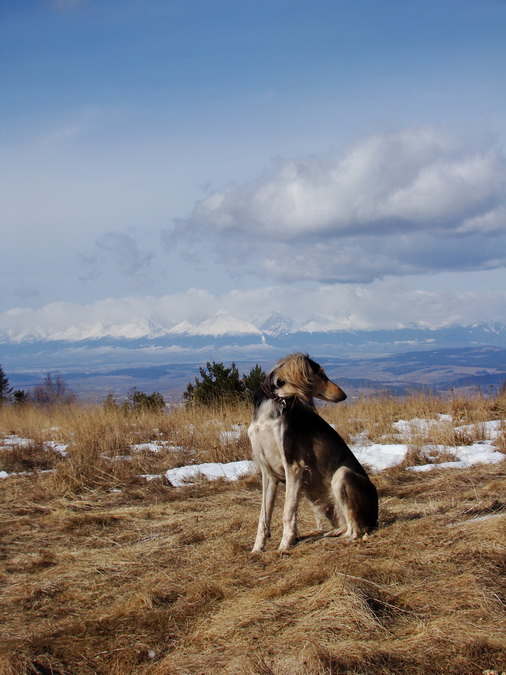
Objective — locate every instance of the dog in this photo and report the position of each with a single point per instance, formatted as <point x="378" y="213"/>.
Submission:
<point x="293" y="445"/>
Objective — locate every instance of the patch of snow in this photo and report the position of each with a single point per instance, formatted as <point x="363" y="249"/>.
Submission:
<point x="4" y="474"/>
<point x="361" y="439"/>
<point x="183" y="475"/>
<point x="61" y="448"/>
<point x="151" y="447"/>
<point x="468" y="455"/>
<point x="229" y="436"/>
<point x="491" y="430"/>
<point x="156" y="446"/>
<point x="379" y="457"/>
<point x="420" y="425"/>
<point x="15" y="441"/>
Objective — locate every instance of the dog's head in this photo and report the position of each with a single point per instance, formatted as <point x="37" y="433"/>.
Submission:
<point x="299" y="376"/>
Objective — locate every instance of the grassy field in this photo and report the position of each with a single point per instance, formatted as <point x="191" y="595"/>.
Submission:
<point x="104" y="572"/>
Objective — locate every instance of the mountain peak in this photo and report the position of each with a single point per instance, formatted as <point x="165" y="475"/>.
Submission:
<point x="278" y="324"/>
<point x="221" y="323"/>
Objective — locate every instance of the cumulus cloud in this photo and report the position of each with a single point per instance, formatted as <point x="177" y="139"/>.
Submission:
<point x="398" y="203"/>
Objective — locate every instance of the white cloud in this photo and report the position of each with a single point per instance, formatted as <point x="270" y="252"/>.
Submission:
<point x="361" y="215"/>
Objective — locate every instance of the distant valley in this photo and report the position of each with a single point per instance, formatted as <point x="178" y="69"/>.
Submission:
<point x="396" y="361"/>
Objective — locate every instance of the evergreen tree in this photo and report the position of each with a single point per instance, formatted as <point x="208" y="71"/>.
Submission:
<point x="5" y="390"/>
<point x="219" y="384"/>
<point x="253" y="380"/>
<point x="20" y="397"/>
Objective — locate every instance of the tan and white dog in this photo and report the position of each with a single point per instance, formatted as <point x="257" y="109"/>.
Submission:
<point x="293" y="445"/>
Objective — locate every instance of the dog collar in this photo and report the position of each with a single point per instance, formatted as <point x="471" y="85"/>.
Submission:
<point x="267" y="389"/>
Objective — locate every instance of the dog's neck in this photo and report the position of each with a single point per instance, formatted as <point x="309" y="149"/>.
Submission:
<point x="270" y="393"/>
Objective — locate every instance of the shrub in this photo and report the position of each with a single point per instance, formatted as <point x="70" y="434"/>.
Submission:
<point x="140" y="401"/>
<point x="137" y="401"/>
<point x="53" y="391"/>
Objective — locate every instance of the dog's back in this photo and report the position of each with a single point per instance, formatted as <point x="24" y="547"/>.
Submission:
<point x="308" y="437"/>
<point x="310" y="441"/>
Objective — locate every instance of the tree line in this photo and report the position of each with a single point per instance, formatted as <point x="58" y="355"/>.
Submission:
<point x="53" y="390"/>
<point x="217" y="385"/>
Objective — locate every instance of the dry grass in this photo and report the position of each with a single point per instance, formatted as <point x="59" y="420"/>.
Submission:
<point x="103" y="572"/>
<point x="98" y="438"/>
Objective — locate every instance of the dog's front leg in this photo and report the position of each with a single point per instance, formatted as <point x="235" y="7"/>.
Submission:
<point x="269" y="489"/>
<point x="292" y="497"/>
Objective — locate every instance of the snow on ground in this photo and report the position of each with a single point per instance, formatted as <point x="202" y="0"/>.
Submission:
<point x="379" y="456"/>
<point x="491" y="430"/>
<point x="57" y="447"/>
<point x="15" y="441"/>
<point x="468" y="455"/>
<point x="230" y="436"/>
<point x="420" y="425"/>
<point x="157" y="446"/>
<point x="4" y="474"/>
<point x="376" y="456"/>
<point x="230" y="471"/>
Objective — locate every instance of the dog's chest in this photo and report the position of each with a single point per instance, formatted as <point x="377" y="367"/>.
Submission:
<point x="266" y="435"/>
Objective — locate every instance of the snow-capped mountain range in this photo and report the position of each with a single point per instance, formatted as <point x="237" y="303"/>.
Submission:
<point x="221" y="323"/>
<point x="225" y="325"/>
<point x="222" y="337"/>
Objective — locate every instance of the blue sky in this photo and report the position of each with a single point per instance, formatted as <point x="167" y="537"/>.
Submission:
<point x="340" y="162"/>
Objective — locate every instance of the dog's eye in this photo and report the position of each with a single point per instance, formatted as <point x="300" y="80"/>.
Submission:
<point x="280" y="383"/>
